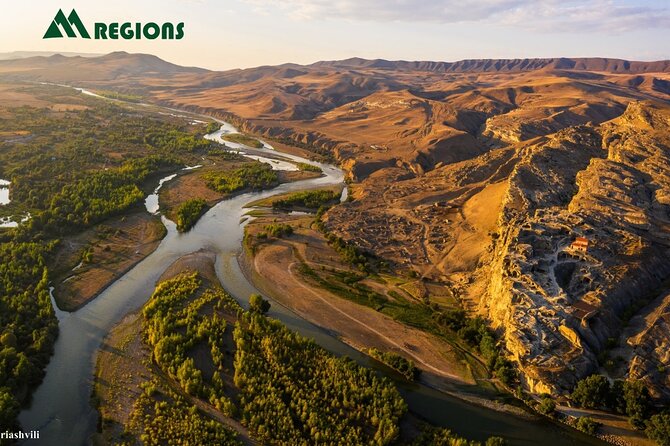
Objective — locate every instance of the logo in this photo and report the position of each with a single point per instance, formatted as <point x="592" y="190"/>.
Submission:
<point x="66" y="24"/>
<point x="62" y="26"/>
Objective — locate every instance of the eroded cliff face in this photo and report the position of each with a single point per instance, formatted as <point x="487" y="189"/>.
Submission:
<point x="556" y="304"/>
<point x="647" y="340"/>
<point x="498" y="229"/>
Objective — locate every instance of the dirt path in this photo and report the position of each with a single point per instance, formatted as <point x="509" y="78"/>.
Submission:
<point x="615" y="428"/>
<point x="358" y="321"/>
<point x="359" y="326"/>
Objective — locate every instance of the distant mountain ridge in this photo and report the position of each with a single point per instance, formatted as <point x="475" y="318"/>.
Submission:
<point x="25" y="54"/>
<point x="506" y="65"/>
<point x="137" y="63"/>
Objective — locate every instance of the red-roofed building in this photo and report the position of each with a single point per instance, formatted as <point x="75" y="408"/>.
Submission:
<point x="580" y="244"/>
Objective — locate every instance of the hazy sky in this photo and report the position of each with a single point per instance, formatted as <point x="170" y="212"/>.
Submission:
<point x="243" y="33"/>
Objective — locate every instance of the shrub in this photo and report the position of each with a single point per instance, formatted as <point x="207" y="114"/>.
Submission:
<point x="278" y="230"/>
<point x="588" y="425"/>
<point x="547" y="406"/>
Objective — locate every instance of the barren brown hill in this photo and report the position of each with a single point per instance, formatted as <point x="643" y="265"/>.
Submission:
<point x="59" y="68"/>
<point x="478" y="175"/>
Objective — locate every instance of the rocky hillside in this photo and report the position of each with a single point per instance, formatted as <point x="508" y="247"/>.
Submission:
<point x="558" y="305"/>
<point x="499" y="229"/>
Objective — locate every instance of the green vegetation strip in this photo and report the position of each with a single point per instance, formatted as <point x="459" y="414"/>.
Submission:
<point x="125" y="97"/>
<point x="308" y="167"/>
<point x="401" y="365"/>
<point x="243" y="139"/>
<point x="311" y="199"/>
<point x="256" y="176"/>
<point x="29" y="327"/>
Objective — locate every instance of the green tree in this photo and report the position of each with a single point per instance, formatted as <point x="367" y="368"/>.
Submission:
<point x="658" y="428"/>
<point x="587" y="425"/>
<point x="637" y="399"/>
<point x="8" y="339"/>
<point x="258" y="304"/>
<point x="592" y="392"/>
<point x="616" y="400"/>
<point x="547" y="406"/>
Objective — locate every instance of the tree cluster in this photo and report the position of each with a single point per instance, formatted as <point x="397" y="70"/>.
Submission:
<point x="189" y="213"/>
<point x="434" y="436"/>
<point x="295" y="393"/>
<point x="476" y="333"/>
<point x="277" y="230"/>
<point x="625" y="397"/>
<point x="289" y="390"/>
<point x="179" y="318"/>
<point x="28" y="327"/>
<point x="311" y="199"/>
<point x="405" y="367"/>
<point x="255" y="176"/>
<point x="160" y="417"/>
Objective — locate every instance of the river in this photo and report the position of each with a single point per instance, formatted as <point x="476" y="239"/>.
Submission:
<point x="5" y="222"/>
<point x="4" y="192"/>
<point x="62" y="410"/>
<point x="9" y="221"/>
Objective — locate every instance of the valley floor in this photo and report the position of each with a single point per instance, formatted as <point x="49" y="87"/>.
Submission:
<point x="87" y="263"/>
<point x="275" y="268"/>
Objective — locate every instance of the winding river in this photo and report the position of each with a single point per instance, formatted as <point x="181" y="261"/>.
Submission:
<point x="62" y="410"/>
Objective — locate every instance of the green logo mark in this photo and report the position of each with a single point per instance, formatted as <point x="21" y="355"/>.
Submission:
<point x="113" y="30"/>
<point x="60" y="22"/>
